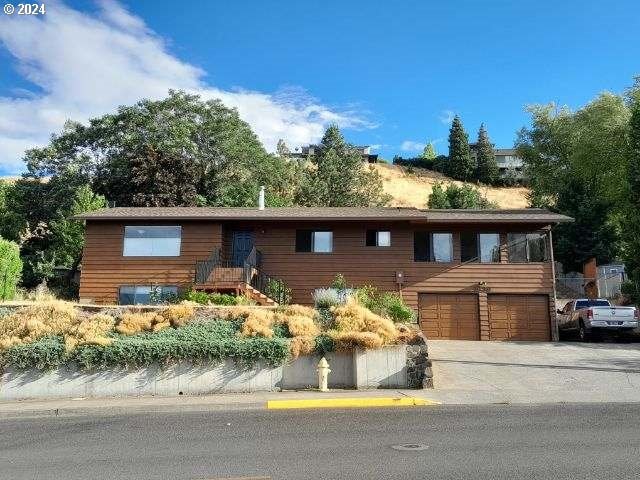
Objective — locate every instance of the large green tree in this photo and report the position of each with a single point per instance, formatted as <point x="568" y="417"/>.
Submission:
<point x="631" y="222"/>
<point x="180" y="150"/>
<point x="461" y="164"/>
<point x="338" y="177"/>
<point x="576" y="163"/>
<point x="487" y="167"/>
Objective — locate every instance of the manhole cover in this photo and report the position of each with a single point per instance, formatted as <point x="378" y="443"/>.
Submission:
<point x="410" y="446"/>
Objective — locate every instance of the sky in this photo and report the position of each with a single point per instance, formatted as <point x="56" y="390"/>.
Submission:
<point x="391" y="74"/>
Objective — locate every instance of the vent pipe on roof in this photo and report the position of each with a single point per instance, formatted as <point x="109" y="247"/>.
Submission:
<point x="261" y="199"/>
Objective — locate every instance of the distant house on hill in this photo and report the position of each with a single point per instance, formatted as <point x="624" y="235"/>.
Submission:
<point x="311" y="150"/>
<point x="507" y="159"/>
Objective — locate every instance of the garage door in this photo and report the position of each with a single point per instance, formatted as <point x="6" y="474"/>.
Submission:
<point x="449" y="316"/>
<point x="519" y="317"/>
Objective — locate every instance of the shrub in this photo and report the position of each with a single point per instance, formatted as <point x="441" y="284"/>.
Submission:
<point x="135" y="322"/>
<point x="92" y="330"/>
<point x="339" y="282"/>
<point x="302" y="345"/>
<point x="324" y="344"/>
<point x="387" y="304"/>
<point x="10" y="268"/>
<point x="353" y="317"/>
<point x="350" y="340"/>
<point x="396" y="309"/>
<point x="43" y="354"/>
<point x="30" y="323"/>
<point x="257" y="322"/>
<point x="204" y="298"/>
<point x="212" y="341"/>
<point x="327" y="298"/>
<point x="177" y="315"/>
<point x="277" y="290"/>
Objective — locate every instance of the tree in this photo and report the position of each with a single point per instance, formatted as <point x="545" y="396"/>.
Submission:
<point x="429" y="152"/>
<point x="282" y="150"/>
<point x="454" y="196"/>
<point x="180" y="150"/>
<point x="631" y="223"/>
<point x="487" y="168"/>
<point x="10" y="268"/>
<point x="461" y="164"/>
<point x="337" y="176"/>
<point x="576" y="164"/>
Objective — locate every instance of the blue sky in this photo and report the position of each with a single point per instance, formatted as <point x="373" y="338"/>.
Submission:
<point x="391" y="73"/>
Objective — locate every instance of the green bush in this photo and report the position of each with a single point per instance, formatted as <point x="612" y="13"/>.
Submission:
<point x="277" y="290"/>
<point x="10" y="268"/>
<point x="387" y="304"/>
<point x="43" y="354"/>
<point x="205" y="298"/>
<point x="396" y="309"/>
<point x="324" y="344"/>
<point x="198" y="342"/>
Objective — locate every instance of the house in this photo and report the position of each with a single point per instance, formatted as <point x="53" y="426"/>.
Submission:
<point x="310" y="150"/>
<point x="507" y="159"/>
<point x="469" y="274"/>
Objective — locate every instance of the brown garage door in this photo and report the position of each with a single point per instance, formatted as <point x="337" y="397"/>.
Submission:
<point x="449" y="316"/>
<point x="519" y="317"/>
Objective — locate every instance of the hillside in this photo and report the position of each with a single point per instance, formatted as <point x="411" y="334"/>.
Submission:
<point x="413" y="189"/>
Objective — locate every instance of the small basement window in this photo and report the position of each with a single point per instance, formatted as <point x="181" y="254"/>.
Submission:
<point x="378" y="238"/>
<point x="146" y="294"/>
<point x="314" y="241"/>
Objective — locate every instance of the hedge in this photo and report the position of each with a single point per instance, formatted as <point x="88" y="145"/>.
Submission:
<point x="210" y="342"/>
<point x="10" y="268"/>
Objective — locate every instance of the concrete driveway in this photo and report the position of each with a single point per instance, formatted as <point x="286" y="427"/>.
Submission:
<point x="534" y="372"/>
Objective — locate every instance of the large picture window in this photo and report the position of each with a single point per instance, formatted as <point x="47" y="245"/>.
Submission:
<point x="432" y="247"/>
<point x="480" y="247"/>
<point x="527" y="247"/>
<point x="146" y="294"/>
<point x="152" y="241"/>
<point x="316" y="241"/>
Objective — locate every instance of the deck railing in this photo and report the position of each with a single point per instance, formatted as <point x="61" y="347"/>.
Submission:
<point x="215" y="270"/>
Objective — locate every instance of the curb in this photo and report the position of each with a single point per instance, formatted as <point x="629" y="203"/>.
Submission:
<point x="349" y="403"/>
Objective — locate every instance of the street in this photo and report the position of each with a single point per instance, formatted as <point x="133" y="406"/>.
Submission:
<point x="497" y="441"/>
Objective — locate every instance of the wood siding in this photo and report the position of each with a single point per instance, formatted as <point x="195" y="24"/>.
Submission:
<point x="104" y="268"/>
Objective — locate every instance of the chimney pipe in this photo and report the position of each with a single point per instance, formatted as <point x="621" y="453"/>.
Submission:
<point x="261" y="199"/>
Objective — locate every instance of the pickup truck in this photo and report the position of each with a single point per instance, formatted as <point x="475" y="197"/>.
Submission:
<point x="586" y="316"/>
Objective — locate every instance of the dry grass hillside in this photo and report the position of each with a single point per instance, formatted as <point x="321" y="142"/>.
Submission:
<point x="413" y="189"/>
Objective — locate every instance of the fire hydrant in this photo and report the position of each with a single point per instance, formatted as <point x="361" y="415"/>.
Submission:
<point x="323" y="374"/>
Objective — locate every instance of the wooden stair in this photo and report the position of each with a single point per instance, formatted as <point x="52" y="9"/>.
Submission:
<point x="259" y="297"/>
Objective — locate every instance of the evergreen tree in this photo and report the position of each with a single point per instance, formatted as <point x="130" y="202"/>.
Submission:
<point x="429" y="153"/>
<point x="461" y="164"/>
<point x="282" y="150"/>
<point x="337" y="176"/>
<point x="487" y="169"/>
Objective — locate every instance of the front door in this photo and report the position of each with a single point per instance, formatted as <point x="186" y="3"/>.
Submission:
<point x="242" y="244"/>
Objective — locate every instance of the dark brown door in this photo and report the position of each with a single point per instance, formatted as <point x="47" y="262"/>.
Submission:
<point x="519" y="317"/>
<point x="449" y="316"/>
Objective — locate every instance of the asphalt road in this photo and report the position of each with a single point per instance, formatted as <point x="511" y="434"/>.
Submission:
<point x="500" y="441"/>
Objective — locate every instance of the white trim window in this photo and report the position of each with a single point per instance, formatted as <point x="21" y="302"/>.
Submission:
<point x="152" y="241"/>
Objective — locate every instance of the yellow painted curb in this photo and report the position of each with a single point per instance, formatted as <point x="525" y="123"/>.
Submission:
<point x="349" y="402"/>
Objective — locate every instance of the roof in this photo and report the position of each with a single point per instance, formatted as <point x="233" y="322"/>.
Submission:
<point x="529" y="215"/>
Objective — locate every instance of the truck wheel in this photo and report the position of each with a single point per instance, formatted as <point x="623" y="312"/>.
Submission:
<point x="583" y="335"/>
